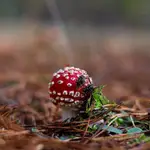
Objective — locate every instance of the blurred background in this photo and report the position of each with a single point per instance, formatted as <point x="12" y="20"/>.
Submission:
<point x="109" y="39"/>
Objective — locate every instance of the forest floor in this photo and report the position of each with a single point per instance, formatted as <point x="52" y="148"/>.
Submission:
<point x="26" y="114"/>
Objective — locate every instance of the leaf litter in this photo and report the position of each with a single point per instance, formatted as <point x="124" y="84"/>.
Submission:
<point x="31" y="122"/>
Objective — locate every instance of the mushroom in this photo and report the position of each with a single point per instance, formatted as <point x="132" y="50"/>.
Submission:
<point x="66" y="90"/>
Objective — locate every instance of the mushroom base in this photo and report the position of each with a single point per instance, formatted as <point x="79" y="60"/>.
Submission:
<point x="68" y="113"/>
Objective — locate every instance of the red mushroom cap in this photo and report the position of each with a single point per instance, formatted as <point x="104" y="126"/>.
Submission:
<point x="63" y="88"/>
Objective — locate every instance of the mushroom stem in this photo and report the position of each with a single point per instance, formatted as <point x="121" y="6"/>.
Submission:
<point x="68" y="113"/>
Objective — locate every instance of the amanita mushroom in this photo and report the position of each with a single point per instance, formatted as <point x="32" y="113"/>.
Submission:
<point x="66" y="90"/>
